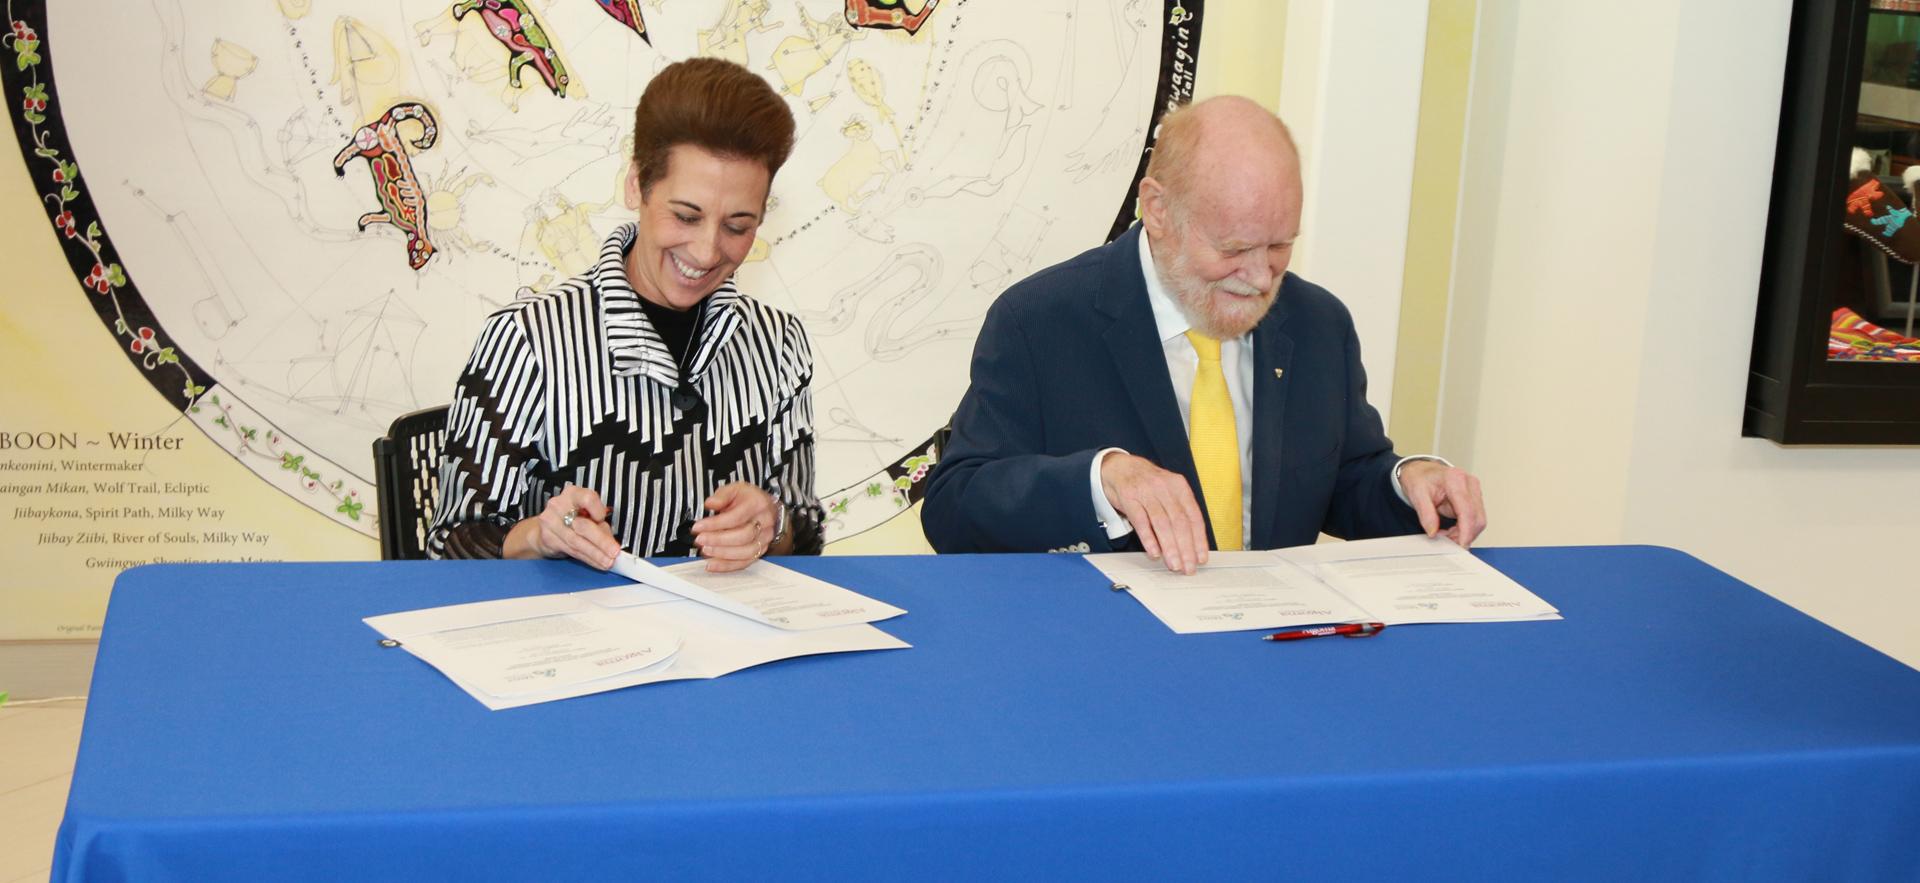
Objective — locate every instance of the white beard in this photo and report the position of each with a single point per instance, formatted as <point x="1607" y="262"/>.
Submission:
<point x="1197" y="301"/>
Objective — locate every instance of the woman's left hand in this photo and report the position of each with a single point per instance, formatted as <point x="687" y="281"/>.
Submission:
<point x="741" y="528"/>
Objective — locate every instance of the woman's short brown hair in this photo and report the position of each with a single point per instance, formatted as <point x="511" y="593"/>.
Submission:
<point x="713" y="104"/>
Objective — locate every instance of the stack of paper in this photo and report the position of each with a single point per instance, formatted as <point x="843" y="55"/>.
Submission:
<point x="673" y="623"/>
<point x="1397" y="580"/>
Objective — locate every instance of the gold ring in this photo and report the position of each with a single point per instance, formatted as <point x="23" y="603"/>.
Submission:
<point x="567" y="519"/>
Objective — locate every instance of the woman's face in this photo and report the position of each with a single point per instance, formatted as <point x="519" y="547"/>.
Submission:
<point x="696" y="225"/>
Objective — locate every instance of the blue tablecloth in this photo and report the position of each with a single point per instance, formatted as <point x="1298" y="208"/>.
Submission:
<point x="1678" y="724"/>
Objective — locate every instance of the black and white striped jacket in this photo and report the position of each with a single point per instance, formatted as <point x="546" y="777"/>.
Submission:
<point x="573" y="385"/>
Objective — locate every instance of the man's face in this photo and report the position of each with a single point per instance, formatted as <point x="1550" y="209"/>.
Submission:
<point x="1223" y="248"/>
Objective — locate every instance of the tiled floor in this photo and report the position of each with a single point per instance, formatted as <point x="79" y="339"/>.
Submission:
<point x="37" y="744"/>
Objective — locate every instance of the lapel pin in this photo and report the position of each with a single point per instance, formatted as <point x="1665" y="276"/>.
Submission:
<point x="1277" y="372"/>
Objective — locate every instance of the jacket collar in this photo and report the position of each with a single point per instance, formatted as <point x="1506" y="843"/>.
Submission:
<point x="632" y="342"/>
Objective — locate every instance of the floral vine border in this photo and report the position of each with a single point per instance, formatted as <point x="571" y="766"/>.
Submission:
<point x="863" y="506"/>
<point x="183" y="383"/>
<point x="268" y="444"/>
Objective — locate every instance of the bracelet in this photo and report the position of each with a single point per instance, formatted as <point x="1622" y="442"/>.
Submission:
<point x="779" y="525"/>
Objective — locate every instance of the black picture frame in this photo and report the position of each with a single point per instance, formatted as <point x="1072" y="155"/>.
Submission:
<point x="1795" y="395"/>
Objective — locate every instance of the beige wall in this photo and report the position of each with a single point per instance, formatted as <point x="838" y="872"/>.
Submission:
<point x="1613" y="208"/>
<point x="1240" y="49"/>
<point x="1421" y="343"/>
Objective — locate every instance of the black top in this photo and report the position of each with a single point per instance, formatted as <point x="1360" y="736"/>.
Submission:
<point x="674" y="326"/>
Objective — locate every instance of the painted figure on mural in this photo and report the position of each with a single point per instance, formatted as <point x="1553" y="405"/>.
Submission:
<point x="513" y="24"/>
<point x="905" y="15"/>
<point x="627" y="12"/>
<point x="402" y="201"/>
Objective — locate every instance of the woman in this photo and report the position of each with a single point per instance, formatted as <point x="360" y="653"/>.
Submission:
<point x="646" y="403"/>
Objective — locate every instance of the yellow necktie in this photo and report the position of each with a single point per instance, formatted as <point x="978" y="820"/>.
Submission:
<point x="1215" y="442"/>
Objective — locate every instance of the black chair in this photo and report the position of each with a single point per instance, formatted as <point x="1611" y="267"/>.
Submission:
<point x="406" y="476"/>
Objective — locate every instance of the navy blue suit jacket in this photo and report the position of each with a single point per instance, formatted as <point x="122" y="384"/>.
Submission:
<point x="1069" y="362"/>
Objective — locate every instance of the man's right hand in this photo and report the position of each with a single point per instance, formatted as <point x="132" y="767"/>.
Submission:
<point x="1161" y="507"/>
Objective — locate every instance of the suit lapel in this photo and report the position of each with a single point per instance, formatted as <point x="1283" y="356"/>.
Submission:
<point x="1272" y="357"/>
<point x="1138" y="360"/>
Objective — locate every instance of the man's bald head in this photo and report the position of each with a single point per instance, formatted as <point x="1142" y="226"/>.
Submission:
<point x="1217" y="142"/>
<point x="1221" y="207"/>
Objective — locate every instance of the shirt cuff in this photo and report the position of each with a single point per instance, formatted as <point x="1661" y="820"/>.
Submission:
<point x="1111" y="520"/>
<point x="1401" y="492"/>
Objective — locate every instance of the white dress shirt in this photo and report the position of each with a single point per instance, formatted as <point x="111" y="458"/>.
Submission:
<point x="1236" y="363"/>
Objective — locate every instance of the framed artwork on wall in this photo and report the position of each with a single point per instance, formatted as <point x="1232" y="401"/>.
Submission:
<point x="1836" y="354"/>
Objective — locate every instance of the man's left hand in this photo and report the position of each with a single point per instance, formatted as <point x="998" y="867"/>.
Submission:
<point x="1437" y="490"/>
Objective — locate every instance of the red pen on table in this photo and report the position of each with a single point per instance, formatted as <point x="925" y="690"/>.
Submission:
<point x="1349" y="630"/>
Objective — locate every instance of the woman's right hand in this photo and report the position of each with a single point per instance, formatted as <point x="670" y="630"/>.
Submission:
<point x="574" y="525"/>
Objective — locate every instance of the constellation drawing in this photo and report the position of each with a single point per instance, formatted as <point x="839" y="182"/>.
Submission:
<point x="1109" y="142"/>
<point x="366" y="68"/>
<point x="973" y="146"/>
<point x="739" y="19"/>
<point x="860" y="172"/>
<point x="800" y="56"/>
<point x="241" y="133"/>
<point x="221" y="309"/>
<point x="1010" y="254"/>
<point x="231" y="63"/>
<point x="445" y="204"/>
<point x="590" y="132"/>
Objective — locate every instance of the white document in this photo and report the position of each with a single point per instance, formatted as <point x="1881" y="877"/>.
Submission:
<point x="1403" y="580"/>
<point x="763" y="592"/>
<point x="720" y="643"/>
<point x="627" y="595"/>
<point x="524" y="646"/>
<point x="685" y="623"/>
<point x="1235" y="590"/>
<point x="1397" y="581"/>
<point x="654" y="576"/>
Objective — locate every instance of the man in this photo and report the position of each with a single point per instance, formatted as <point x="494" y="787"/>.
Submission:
<point x="1175" y="390"/>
